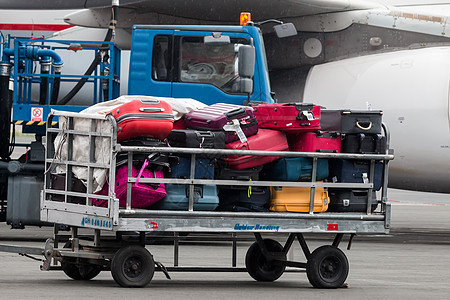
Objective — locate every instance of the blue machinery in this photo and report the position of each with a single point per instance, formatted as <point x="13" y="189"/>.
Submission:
<point x="31" y="74"/>
<point x="35" y="92"/>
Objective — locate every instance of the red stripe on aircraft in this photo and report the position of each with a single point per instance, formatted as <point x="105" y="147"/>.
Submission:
<point x="35" y="27"/>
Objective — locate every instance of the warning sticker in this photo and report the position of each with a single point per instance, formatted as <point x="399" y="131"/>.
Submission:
<point x="36" y="114"/>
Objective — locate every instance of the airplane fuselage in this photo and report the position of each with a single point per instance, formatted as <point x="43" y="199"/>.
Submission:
<point x="412" y="88"/>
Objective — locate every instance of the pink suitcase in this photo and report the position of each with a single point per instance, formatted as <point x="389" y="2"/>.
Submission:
<point x="220" y="116"/>
<point x="288" y="117"/>
<point x="265" y="139"/>
<point x="317" y="141"/>
<point x="149" y="118"/>
<point x="142" y="194"/>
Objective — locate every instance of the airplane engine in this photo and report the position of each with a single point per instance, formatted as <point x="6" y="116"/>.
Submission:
<point x="412" y="88"/>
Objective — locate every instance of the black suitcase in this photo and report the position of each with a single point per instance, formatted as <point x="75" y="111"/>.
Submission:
<point x="250" y="199"/>
<point x="190" y="138"/>
<point x="351" y="200"/>
<point x="143" y="142"/>
<point x="251" y="174"/>
<point x="154" y="159"/>
<point x="355" y="171"/>
<point x="352" y="121"/>
<point x="363" y="143"/>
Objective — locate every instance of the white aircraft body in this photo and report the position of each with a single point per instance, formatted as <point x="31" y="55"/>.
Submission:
<point x="392" y="55"/>
<point x="412" y="89"/>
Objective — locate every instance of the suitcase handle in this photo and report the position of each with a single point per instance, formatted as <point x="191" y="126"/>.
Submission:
<point x="243" y="177"/>
<point x="303" y="106"/>
<point x="151" y="109"/>
<point x="361" y="126"/>
<point x="235" y="113"/>
<point x="150" y="102"/>
<point x="305" y="115"/>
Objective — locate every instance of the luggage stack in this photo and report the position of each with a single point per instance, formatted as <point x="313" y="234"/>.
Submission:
<point x="299" y="127"/>
<point x="141" y="123"/>
<point x="360" y="133"/>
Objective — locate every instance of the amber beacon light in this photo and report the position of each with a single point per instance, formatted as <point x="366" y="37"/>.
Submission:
<point x="245" y="17"/>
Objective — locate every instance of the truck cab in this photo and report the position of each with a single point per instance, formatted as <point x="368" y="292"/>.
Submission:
<point x="208" y="63"/>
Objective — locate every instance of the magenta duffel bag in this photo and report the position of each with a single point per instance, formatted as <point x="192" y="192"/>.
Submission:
<point x="142" y="194"/>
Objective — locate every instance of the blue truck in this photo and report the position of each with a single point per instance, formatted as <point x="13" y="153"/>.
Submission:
<point x="208" y="63"/>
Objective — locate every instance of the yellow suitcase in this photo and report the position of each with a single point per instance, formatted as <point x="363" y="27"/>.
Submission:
<point x="296" y="199"/>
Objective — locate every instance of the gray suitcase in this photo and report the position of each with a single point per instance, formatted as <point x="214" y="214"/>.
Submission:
<point x="24" y="202"/>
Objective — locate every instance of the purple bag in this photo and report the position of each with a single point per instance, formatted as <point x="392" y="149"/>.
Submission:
<point x="220" y="116"/>
<point x="142" y="194"/>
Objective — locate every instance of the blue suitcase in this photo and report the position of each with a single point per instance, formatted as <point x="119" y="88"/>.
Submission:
<point x="355" y="171"/>
<point x="294" y="169"/>
<point x="204" y="169"/>
<point x="177" y="198"/>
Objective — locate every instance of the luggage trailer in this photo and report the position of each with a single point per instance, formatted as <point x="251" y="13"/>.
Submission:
<point x="106" y="246"/>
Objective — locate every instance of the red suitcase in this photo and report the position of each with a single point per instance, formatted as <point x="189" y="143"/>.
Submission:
<point x="149" y="118"/>
<point x="265" y="139"/>
<point x="288" y="117"/>
<point x="317" y="141"/>
<point x="220" y="116"/>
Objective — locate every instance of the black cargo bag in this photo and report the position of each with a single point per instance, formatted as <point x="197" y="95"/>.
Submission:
<point x="352" y="121"/>
<point x="343" y="200"/>
<point x="252" y="199"/>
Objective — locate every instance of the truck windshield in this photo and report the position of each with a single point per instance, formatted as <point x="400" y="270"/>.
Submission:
<point x="211" y="64"/>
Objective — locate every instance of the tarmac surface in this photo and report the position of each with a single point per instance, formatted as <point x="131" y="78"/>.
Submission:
<point x="412" y="262"/>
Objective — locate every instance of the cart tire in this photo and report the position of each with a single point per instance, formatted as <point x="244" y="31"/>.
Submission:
<point x="132" y="266"/>
<point x="258" y="267"/>
<point x="79" y="270"/>
<point x="327" y="267"/>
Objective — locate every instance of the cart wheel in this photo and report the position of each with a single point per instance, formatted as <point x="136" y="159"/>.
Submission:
<point x="132" y="266"/>
<point x="78" y="268"/>
<point x="327" y="267"/>
<point x="258" y="267"/>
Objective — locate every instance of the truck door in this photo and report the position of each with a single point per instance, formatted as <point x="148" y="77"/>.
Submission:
<point x="207" y="72"/>
<point x="150" y="63"/>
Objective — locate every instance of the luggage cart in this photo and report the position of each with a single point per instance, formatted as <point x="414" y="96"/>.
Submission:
<point x="106" y="246"/>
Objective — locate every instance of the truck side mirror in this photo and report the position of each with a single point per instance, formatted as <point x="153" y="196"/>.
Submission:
<point x="246" y="68"/>
<point x="285" y="30"/>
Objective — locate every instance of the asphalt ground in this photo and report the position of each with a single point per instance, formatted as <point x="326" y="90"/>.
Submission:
<point x="412" y="262"/>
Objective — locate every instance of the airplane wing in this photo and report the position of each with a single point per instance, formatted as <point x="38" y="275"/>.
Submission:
<point x="57" y="4"/>
<point x="211" y="11"/>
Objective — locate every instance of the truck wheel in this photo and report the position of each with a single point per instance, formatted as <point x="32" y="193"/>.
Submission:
<point x="132" y="266"/>
<point x="327" y="267"/>
<point x="78" y="268"/>
<point x="258" y="267"/>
